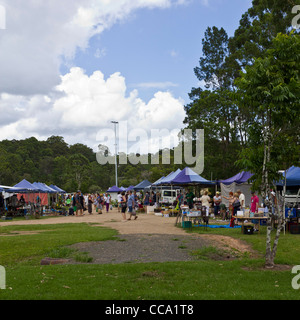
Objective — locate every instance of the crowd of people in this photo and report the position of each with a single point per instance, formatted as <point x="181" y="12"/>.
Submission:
<point x="129" y="202"/>
<point x="236" y="202"/>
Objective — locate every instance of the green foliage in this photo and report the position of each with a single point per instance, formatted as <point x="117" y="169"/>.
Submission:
<point x="271" y="88"/>
<point x="70" y="167"/>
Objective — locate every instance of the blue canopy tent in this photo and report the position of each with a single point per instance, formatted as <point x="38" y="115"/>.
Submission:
<point x="168" y="179"/>
<point x="6" y="188"/>
<point x="24" y="186"/>
<point x="59" y="190"/>
<point x="157" y="182"/>
<point x="239" y="178"/>
<point x="129" y="188"/>
<point x="114" y="189"/>
<point x="292" y="177"/>
<point x="50" y="190"/>
<point x="187" y="177"/>
<point x="142" y="185"/>
<point x="41" y="187"/>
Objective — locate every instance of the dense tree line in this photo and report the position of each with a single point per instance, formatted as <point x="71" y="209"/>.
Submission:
<point x="228" y="121"/>
<point x="71" y="167"/>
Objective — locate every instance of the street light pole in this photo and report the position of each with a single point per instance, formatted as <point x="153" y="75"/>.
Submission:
<point x="116" y="162"/>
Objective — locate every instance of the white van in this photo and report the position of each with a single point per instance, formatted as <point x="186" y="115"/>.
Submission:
<point x="168" y="196"/>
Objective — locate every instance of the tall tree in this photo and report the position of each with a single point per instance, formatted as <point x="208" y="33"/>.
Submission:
<point x="213" y="109"/>
<point x="271" y="87"/>
<point x="258" y="27"/>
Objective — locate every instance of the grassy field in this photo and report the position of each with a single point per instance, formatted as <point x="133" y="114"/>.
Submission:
<point x="203" y="279"/>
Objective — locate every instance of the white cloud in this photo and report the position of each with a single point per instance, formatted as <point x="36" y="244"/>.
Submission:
<point x="82" y="105"/>
<point x="40" y="34"/>
<point x="36" y="101"/>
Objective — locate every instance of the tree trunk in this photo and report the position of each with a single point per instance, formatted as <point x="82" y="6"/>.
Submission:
<point x="281" y="225"/>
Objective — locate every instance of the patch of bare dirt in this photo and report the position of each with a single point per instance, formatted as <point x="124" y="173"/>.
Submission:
<point x="149" y="233"/>
<point x="226" y="242"/>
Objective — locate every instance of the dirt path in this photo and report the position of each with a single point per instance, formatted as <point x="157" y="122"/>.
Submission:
<point x="145" y="225"/>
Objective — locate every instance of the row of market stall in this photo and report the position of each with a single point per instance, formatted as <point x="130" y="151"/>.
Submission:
<point x="24" y="195"/>
<point x="241" y="181"/>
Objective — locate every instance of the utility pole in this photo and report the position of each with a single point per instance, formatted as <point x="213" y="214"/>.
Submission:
<point x="116" y="150"/>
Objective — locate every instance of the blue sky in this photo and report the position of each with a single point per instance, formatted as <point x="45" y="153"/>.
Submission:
<point x="159" y="48"/>
<point x="70" y="69"/>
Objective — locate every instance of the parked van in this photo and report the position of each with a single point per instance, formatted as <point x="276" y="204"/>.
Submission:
<point x="169" y="196"/>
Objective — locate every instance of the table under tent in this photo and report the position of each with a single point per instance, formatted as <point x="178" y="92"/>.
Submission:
<point x="189" y="178"/>
<point x="27" y="198"/>
<point x="24" y="199"/>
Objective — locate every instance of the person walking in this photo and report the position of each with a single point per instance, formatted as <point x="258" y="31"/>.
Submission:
<point x="123" y="206"/>
<point x="119" y="196"/>
<point x="107" y="201"/>
<point x="146" y="201"/>
<point x="131" y="206"/>
<point x="254" y="209"/>
<point x="90" y="204"/>
<point x="79" y="207"/>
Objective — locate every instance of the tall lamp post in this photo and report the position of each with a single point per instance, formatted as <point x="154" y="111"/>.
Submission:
<point x="116" y="151"/>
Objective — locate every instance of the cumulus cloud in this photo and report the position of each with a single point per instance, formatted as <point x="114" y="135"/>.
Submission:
<point x="35" y="100"/>
<point x="81" y="106"/>
<point x="40" y="34"/>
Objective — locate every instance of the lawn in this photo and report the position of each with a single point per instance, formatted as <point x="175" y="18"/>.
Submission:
<point x="203" y="279"/>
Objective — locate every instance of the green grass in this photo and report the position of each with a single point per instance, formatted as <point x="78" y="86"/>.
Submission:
<point x="202" y="279"/>
<point x="30" y="249"/>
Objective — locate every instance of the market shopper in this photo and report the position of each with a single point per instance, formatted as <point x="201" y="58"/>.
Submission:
<point x="119" y="199"/>
<point x="107" y="201"/>
<point x="190" y="199"/>
<point x="90" y="204"/>
<point x="217" y="199"/>
<point x="146" y="201"/>
<point x="230" y="199"/>
<point x="123" y="206"/>
<point x="205" y="201"/>
<point x="131" y="206"/>
<point x="254" y="209"/>
<point x="78" y="203"/>
<point x="242" y="200"/>
<point x="236" y="203"/>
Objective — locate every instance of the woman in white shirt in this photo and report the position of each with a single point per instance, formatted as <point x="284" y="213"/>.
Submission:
<point x="119" y="201"/>
<point x="205" y="200"/>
